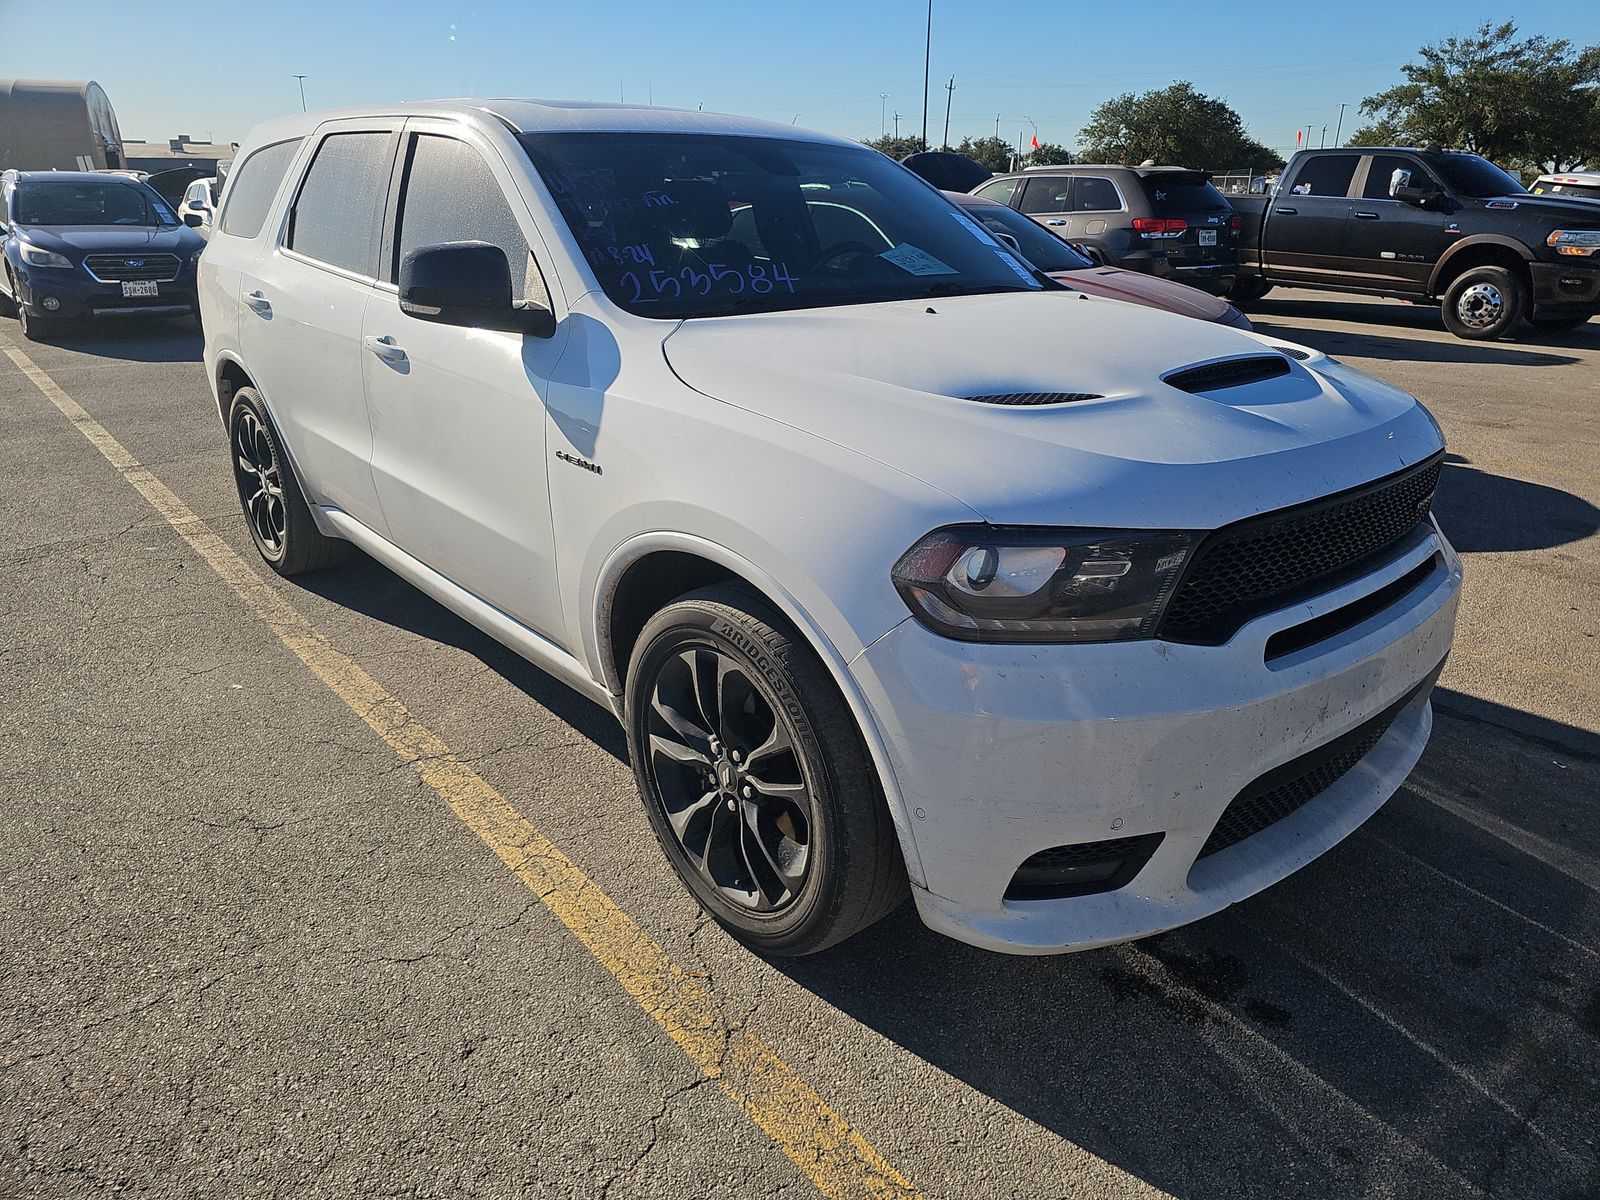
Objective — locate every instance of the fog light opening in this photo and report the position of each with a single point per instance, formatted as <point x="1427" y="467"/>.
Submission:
<point x="50" y="304"/>
<point x="1084" y="869"/>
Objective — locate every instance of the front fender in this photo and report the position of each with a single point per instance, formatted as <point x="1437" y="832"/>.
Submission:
<point x="1443" y="271"/>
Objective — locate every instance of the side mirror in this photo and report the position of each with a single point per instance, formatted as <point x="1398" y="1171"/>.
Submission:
<point x="193" y="220"/>
<point x="1398" y="180"/>
<point x="468" y="283"/>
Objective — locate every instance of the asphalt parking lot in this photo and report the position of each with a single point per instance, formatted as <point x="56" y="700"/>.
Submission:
<point x="250" y="951"/>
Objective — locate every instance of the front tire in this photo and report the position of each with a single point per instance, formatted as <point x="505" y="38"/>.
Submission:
<point x="755" y="777"/>
<point x="36" y="328"/>
<point x="1484" y="303"/>
<point x="275" y="510"/>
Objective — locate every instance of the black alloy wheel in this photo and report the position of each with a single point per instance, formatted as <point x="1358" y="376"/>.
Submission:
<point x="280" y="522"/>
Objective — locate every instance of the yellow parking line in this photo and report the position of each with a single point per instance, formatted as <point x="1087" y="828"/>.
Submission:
<point x="837" y="1159"/>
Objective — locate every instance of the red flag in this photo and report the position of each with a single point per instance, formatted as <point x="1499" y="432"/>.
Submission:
<point x="1298" y="134"/>
<point x="1036" y="141"/>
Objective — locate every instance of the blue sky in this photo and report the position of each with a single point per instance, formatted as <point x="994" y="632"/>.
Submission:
<point x="219" y="66"/>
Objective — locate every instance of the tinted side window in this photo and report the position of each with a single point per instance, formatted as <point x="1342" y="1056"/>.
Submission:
<point x="254" y="183"/>
<point x="335" y="218"/>
<point x="1046" y="195"/>
<point x="1385" y="165"/>
<point x="1329" y="175"/>
<point x="1095" y="194"/>
<point x="1001" y="190"/>
<point x="452" y="196"/>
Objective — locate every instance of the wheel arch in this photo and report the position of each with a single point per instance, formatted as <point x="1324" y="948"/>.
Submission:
<point x="229" y="377"/>
<point x="649" y="571"/>
<point x="1484" y="250"/>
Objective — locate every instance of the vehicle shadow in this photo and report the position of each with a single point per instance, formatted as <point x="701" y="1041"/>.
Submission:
<point x="367" y="587"/>
<point x="1484" y="512"/>
<point x="1362" y="344"/>
<point x="1396" y="1019"/>
<point x="136" y="339"/>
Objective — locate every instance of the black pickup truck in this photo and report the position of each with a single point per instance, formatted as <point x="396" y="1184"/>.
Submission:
<point x="1436" y="226"/>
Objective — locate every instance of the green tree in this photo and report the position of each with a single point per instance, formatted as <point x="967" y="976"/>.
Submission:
<point x="1530" y="103"/>
<point x="1173" y="126"/>
<point x="1048" y="154"/>
<point x="896" y="147"/>
<point x="994" y="153"/>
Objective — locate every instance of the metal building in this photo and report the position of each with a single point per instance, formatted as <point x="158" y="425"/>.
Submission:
<point x="59" y="124"/>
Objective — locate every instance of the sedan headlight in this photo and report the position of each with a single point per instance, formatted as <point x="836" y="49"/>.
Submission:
<point x="981" y="583"/>
<point x="35" y="257"/>
<point x="1579" y="243"/>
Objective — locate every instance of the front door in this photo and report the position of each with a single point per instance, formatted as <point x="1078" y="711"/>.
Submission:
<point x="1390" y="243"/>
<point x="458" y="418"/>
<point x="1303" y="240"/>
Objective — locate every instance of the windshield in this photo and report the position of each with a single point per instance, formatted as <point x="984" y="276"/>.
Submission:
<point x="1038" y="245"/>
<point x="694" y="225"/>
<point x="89" y="204"/>
<point x="1588" y="191"/>
<point x="1469" y="175"/>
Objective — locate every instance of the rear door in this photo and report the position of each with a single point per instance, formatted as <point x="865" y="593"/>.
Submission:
<point x="1303" y="240"/>
<point x="303" y="304"/>
<point x="1391" y="244"/>
<point x="458" y="415"/>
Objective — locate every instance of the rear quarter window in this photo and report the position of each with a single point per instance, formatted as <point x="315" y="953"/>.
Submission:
<point x="252" y="186"/>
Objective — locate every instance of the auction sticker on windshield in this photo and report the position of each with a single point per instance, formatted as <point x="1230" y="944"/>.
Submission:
<point x="918" y="262"/>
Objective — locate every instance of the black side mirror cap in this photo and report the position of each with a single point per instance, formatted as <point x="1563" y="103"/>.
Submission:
<point x="193" y="220"/>
<point x="468" y="284"/>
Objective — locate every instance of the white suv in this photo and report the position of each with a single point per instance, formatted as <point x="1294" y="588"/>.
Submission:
<point x="899" y="566"/>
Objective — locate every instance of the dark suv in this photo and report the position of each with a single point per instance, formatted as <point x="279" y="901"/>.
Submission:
<point x="1166" y="221"/>
<point x="80" y="245"/>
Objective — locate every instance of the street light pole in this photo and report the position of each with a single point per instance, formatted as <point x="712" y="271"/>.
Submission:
<point x="1338" y="128"/>
<point x="883" y="114"/>
<point x="302" y="80"/>
<point x="927" y="60"/>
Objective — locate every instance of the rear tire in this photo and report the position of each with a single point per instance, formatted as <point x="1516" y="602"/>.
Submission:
<point x="755" y="776"/>
<point x="1558" y="324"/>
<point x="1247" y="289"/>
<point x="275" y="510"/>
<point x="1484" y="303"/>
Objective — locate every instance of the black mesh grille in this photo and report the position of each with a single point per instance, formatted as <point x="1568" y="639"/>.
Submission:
<point x="1255" y="566"/>
<point x="1292" y="352"/>
<point x="1051" y="874"/>
<point x="114" y="267"/>
<point x="1290" y="787"/>
<point x="1233" y="372"/>
<point x="1029" y="398"/>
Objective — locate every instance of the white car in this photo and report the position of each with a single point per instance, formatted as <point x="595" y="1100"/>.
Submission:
<point x="900" y="567"/>
<point x="199" y="201"/>
<point x="1583" y="184"/>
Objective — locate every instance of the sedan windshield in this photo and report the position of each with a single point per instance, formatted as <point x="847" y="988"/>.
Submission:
<point x="89" y="204"/>
<point x="693" y="225"/>
<point x="1469" y="175"/>
<point x="1039" y="246"/>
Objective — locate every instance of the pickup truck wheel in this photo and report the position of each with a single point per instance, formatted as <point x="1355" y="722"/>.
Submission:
<point x="1244" y="291"/>
<point x="755" y="777"/>
<point x="275" y="510"/>
<point x="1484" y="303"/>
<point x="1558" y="324"/>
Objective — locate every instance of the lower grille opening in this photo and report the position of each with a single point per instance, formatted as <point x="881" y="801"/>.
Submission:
<point x="1298" y="637"/>
<point x="1287" y="789"/>
<point x="1082" y="869"/>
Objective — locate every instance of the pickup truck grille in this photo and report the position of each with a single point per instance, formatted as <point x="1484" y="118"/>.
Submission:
<point x="112" y="268"/>
<point x="1267" y="562"/>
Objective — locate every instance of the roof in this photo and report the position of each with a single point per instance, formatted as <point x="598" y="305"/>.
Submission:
<point x="553" y="116"/>
<point x="1138" y="170"/>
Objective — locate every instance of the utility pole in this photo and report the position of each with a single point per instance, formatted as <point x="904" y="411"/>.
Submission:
<point x="883" y="109"/>
<point x="949" y="95"/>
<point x="997" y="127"/>
<point x="927" y="60"/>
<point x="897" y="125"/>
<point x="1339" y="128"/>
<point x="302" y="80"/>
<point x="1322" y="144"/>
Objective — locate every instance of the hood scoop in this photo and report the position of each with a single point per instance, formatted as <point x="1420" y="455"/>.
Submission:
<point x="1232" y="372"/>
<point x="1031" y="399"/>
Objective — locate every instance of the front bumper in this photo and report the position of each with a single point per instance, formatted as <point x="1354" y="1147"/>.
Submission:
<point x="1565" y="287"/>
<point x="78" y="296"/>
<point x="1002" y="751"/>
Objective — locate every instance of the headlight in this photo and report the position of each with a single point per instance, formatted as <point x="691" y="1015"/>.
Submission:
<point x="981" y="583"/>
<point x="36" y="257"/>
<point x="1579" y="243"/>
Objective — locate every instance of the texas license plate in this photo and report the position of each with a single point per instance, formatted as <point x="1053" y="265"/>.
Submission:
<point x="137" y="287"/>
<point x="1208" y="237"/>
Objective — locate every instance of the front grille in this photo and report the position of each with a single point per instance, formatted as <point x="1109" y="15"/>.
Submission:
<point x="1029" y="398"/>
<point x="1232" y="372"/>
<point x="1295" y="784"/>
<point x="113" y="268"/>
<point x="1267" y="562"/>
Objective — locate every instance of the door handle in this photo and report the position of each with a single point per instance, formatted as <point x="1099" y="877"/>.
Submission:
<point x="1055" y="222"/>
<point x="1287" y="212"/>
<point x="1367" y="216"/>
<point x="259" y="303"/>
<point x="384" y="348"/>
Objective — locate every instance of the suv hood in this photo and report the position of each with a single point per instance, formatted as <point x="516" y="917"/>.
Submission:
<point x="111" y="239"/>
<point x="891" y="382"/>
